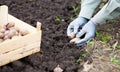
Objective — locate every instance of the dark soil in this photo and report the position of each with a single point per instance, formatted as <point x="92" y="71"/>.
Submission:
<point x="55" y="47"/>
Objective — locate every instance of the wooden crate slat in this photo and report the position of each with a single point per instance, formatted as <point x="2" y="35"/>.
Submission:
<point x="19" y="56"/>
<point x="21" y="24"/>
<point x="3" y="15"/>
<point x="19" y="51"/>
<point x="20" y="42"/>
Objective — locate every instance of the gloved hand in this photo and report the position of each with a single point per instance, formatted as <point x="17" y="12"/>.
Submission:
<point x="105" y="1"/>
<point x="89" y="31"/>
<point x="76" y="24"/>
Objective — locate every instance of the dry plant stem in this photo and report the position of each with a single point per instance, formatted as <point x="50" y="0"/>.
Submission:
<point x="87" y="66"/>
<point x="114" y="46"/>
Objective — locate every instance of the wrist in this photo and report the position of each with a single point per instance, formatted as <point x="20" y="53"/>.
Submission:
<point x="94" y="21"/>
<point x="83" y="18"/>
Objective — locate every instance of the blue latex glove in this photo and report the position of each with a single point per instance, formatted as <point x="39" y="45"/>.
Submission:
<point x="89" y="31"/>
<point x="75" y="25"/>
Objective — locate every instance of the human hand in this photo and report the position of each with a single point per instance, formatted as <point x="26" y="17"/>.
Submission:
<point x="75" y="25"/>
<point x="89" y="31"/>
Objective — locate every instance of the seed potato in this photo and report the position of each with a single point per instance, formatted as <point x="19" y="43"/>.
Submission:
<point x="2" y="35"/>
<point x="74" y="40"/>
<point x="2" y="30"/>
<point x="9" y="25"/>
<point x="72" y="35"/>
<point x="24" y="32"/>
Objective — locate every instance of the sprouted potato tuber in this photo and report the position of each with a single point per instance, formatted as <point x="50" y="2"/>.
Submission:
<point x="2" y="30"/>
<point x="9" y="25"/>
<point x="17" y="29"/>
<point x="12" y="33"/>
<point x="6" y="32"/>
<point x="23" y="32"/>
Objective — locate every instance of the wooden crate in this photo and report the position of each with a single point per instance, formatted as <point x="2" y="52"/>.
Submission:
<point x="15" y="49"/>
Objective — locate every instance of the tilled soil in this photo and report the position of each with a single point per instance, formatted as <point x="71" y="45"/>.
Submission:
<point x="55" y="47"/>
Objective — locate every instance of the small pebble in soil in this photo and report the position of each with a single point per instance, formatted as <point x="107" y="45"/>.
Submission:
<point x="58" y="69"/>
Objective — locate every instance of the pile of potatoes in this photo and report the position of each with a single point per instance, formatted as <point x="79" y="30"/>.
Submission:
<point x="10" y="31"/>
